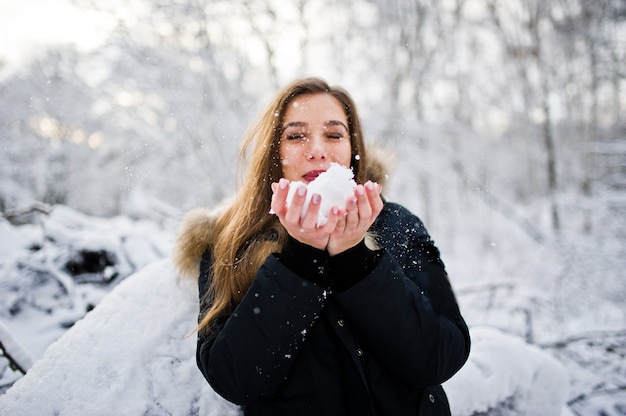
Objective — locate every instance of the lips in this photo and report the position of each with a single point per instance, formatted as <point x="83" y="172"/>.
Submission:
<point x="310" y="176"/>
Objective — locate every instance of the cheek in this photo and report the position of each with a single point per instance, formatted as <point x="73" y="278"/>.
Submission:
<point x="287" y="155"/>
<point x="292" y="152"/>
<point x="289" y="161"/>
<point x="343" y="155"/>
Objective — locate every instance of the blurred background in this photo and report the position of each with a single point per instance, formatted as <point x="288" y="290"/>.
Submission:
<point x="107" y="103"/>
<point x="507" y="120"/>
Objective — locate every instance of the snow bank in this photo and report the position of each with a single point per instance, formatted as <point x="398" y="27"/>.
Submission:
<point x="54" y="271"/>
<point x="134" y="354"/>
<point x="503" y="372"/>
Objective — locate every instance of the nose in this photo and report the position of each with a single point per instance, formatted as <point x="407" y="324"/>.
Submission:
<point x="316" y="149"/>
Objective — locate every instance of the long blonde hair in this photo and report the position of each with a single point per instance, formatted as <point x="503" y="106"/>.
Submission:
<point x="245" y="234"/>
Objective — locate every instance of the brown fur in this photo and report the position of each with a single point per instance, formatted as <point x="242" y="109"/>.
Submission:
<point x="194" y="234"/>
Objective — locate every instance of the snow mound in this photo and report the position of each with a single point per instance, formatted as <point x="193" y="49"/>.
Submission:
<point x="54" y="271"/>
<point x="506" y="376"/>
<point x="134" y="354"/>
<point x="334" y="186"/>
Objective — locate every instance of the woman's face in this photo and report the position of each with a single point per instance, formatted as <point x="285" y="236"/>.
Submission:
<point x="314" y="134"/>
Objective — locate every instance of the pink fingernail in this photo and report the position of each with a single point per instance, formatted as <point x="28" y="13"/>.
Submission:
<point x="302" y="190"/>
<point x="316" y="198"/>
<point x="283" y="183"/>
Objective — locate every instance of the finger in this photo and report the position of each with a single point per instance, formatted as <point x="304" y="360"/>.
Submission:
<point x="294" y="212"/>
<point x="352" y="213"/>
<point x="334" y="216"/>
<point x="278" y="204"/>
<point x="363" y="203"/>
<point x="341" y="223"/>
<point x="373" y="191"/>
<point x="309" y="221"/>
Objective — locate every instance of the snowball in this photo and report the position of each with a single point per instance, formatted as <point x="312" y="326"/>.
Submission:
<point x="334" y="186"/>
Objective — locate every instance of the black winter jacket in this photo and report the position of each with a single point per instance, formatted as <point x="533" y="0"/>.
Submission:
<point x="362" y="333"/>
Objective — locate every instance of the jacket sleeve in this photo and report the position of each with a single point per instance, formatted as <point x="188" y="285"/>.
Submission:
<point x="251" y="351"/>
<point x="405" y="311"/>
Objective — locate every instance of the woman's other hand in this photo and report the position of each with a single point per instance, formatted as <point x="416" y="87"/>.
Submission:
<point x="362" y="209"/>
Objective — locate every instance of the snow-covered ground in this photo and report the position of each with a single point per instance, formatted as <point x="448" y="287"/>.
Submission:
<point x="134" y="353"/>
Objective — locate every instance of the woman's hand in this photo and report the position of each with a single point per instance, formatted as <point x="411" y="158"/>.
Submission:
<point x="304" y="229"/>
<point x="344" y="229"/>
<point x="362" y="209"/>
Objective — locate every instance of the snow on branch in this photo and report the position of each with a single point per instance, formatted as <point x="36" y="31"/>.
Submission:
<point x="19" y="359"/>
<point x="24" y="215"/>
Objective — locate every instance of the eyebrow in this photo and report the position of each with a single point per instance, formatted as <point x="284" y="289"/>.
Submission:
<point x="303" y="124"/>
<point x="336" y="123"/>
<point x="294" y="124"/>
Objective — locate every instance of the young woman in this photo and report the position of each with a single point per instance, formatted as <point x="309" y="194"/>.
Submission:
<point x="355" y="317"/>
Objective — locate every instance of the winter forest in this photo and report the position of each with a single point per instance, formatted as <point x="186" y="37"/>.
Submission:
<point x="506" y="120"/>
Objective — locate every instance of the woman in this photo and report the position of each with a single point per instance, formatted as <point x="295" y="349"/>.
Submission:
<point x="354" y="317"/>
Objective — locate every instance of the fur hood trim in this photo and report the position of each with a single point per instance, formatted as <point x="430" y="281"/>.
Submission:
<point x="195" y="232"/>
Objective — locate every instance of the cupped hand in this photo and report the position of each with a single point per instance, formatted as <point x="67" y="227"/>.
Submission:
<point x="344" y="229"/>
<point x="361" y="211"/>
<point x="302" y="228"/>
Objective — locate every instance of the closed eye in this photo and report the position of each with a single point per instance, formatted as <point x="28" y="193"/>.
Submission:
<point x="334" y="136"/>
<point x="295" y="136"/>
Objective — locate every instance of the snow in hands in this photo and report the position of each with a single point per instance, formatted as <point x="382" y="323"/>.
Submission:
<point x="334" y="185"/>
